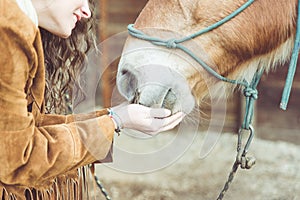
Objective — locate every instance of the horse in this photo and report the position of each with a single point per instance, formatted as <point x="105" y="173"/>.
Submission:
<point x="261" y="37"/>
<point x="180" y="51"/>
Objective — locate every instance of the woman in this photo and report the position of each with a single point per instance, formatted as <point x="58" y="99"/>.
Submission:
<point x="40" y="153"/>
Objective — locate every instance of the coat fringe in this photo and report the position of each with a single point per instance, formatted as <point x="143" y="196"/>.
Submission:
<point x="79" y="185"/>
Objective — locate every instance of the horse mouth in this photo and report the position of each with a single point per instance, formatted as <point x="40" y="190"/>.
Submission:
<point x="145" y="85"/>
<point x="167" y="99"/>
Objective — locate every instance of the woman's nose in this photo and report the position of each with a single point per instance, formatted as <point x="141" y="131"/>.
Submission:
<point x="85" y="10"/>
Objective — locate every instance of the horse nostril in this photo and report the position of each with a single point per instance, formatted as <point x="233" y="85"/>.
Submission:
<point x="127" y="83"/>
<point x="169" y="100"/>
<point x="124" y="72"/>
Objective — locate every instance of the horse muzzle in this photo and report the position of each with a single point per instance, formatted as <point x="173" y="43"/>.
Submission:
<point x="155" y="86"/>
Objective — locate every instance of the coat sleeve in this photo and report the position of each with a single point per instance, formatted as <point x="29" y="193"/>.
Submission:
<point x="31" y="154"/>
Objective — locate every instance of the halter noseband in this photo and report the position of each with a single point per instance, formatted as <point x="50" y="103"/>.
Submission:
<point x="250" y="88"/>
<point x="176" y="43"/>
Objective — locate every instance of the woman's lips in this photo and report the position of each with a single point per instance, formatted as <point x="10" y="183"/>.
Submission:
<point x="78" y="17"/>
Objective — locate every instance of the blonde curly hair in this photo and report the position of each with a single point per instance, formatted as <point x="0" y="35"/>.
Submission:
<point x="64" y="60"/>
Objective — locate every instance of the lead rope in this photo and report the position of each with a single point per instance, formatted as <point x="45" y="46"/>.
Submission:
<point x="251" y="95"/>
<point x="292" y="66"/>
<point x="101" y="187"/>
<point x="99" y="183"/>
<point x="242" y="160"/>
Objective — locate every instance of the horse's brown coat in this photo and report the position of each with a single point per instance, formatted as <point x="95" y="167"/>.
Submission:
<point x="260" y="36"/>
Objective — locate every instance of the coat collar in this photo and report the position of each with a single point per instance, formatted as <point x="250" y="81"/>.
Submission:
<point x="28" y="8"/>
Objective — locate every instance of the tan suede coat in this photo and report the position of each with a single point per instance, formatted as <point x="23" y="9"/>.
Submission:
<point x="38" y="152"/>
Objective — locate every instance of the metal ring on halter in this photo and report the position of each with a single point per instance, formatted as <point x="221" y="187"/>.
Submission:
<point x="244" y="161"/>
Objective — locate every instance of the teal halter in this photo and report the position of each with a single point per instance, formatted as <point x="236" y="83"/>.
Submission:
<point x="250" y="90"/>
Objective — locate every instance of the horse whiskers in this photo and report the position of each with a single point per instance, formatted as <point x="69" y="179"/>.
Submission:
<point x="198" y="114"/>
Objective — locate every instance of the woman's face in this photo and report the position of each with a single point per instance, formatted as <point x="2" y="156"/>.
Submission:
<point x="60" y="16"/>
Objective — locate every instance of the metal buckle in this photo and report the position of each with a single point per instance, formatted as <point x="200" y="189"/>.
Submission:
<point x="242" y="159"/>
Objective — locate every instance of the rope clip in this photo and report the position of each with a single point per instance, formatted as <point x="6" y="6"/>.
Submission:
<point x="245" y="161"/>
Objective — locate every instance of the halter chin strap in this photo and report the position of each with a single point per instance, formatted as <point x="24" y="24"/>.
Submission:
<point x="292" y="67"/>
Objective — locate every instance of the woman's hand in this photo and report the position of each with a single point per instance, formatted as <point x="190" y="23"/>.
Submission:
<point x="145" y="119"/>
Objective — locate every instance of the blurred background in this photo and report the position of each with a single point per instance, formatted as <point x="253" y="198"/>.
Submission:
<point x="277" y="133"/>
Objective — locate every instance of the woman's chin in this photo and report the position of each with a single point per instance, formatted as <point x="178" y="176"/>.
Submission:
<point x="65" y="34"/>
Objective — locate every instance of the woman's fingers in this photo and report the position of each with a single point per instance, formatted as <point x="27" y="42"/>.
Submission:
<point x="145" y="119"/>
<point x="160" y="125"/>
